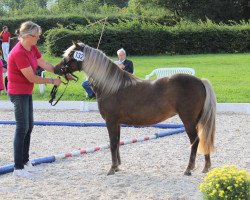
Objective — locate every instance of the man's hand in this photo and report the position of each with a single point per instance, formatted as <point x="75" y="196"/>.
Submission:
<point x="121" y="66"/>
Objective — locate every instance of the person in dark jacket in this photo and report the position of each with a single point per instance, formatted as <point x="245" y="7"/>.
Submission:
<point x="123" y="62"/>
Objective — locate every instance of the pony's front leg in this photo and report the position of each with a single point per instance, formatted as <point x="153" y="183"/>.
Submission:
<point x="114" y="136"/>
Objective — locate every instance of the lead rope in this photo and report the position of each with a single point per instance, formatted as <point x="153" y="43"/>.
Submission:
<point x="53" y="94"/>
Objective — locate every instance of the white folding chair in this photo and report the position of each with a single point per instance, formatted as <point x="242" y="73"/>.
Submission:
<point x="167" y="72"/>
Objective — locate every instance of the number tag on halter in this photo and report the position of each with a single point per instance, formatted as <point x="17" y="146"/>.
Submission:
<point x="79" y="55"/>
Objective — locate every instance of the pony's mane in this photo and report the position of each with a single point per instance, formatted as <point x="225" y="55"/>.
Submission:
<point x="103" y="73"/>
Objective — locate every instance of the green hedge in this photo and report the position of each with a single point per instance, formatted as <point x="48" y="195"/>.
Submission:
<point x="70" y="21"/>
<point x="149" y="39"/>
<point x="50" y="22"/>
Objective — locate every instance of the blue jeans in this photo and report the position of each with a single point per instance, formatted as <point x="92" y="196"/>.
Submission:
<point x="86" y="85"/>
<point x="23" y="108"/>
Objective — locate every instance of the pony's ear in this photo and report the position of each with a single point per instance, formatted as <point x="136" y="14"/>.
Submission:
<point x="76" y="44"/>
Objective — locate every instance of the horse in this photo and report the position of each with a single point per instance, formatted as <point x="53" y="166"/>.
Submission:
<point x="125" y="99"/>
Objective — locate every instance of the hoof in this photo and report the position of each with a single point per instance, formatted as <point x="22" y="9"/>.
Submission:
<point x="117" y="169"/>
<point x="187" y="173"/>
<point x="205" y="170"/>
<point x="111" y="172"/>
<point x="192" y="167"/>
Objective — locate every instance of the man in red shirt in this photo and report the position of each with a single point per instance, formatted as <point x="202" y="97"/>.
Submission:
<point x="5" y="35"/>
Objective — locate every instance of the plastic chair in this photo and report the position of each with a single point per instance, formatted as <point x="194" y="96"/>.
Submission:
<point x="167" y="72"/>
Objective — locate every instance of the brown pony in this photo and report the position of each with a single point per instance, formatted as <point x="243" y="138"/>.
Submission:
<point x="125" y="99"/>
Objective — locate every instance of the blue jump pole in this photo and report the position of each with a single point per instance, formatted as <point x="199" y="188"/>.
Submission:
<point x="6" y="169"/>
<point x="87" y="124"/>
<point x="48" y="159"/>
<point x="169" y="132"/>
<point x="178" y="128"/>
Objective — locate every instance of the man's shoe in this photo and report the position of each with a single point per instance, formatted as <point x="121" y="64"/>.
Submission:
<point x="22" y="173"/>
<point x="29" y="167"/>
<point x="92" y="96"/>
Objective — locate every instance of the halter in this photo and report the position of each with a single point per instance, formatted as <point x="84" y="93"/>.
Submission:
<point x="64" y="71"/>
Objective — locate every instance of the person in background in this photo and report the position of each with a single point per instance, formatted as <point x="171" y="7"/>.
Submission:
<point x="5" y="36"/>
<point x="87" y="87"/>
<point x="22" y="64"/>
<point x="13" y="42"/>
<point x="6" y="75"/>
<point x="122" y="62"/>
<point x="1" y="77"/>
<point x="3" y="69"/>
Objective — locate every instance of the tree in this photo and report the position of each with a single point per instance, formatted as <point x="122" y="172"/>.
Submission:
<point x="119" y="3"/>
<point x="246" y="9"/>
<point x="42" y="3"/>
<point x="11" y="5"/>
<point x="217" y="10"/>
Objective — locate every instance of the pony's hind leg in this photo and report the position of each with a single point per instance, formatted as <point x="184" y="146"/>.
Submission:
<point x="207" y="164"/>
<point x="114" y="136"/>
<point x="191" y="164"/>
<point x="118" y="149"/>
<point x="194" y="140"/>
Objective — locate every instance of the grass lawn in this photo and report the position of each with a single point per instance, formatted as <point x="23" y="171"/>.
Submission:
<point x="229" y="74"/>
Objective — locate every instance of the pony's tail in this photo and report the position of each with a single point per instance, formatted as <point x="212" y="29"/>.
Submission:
<point x="206" y="123"/>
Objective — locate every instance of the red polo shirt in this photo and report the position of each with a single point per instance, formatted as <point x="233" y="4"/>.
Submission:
<point x="5" y="36"/>
<point x="20" y="58"/>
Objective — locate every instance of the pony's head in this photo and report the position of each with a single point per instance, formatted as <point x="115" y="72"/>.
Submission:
<point x="72" y="60"/>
